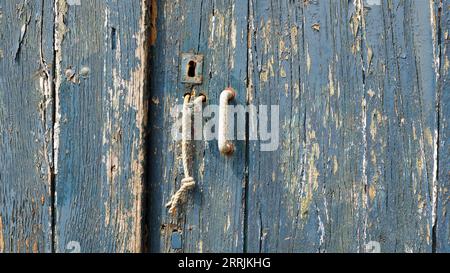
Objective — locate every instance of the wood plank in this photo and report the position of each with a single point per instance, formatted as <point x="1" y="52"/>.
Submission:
<point x="442" y="214"/>
<point x="401" y="124"/>
<point x="101" y="56"/>
<point x="356" y="163"/>
<point x="213" y="219"/>
<point x="26" y="57"/>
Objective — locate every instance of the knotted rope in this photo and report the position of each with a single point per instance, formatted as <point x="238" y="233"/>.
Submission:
<point x="188" y="182"/>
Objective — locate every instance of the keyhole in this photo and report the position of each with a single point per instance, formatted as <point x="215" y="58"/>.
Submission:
<point x="191" y="69"/>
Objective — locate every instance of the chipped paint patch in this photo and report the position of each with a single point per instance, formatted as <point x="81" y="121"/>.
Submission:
<point x="233" y="32"/>
<point x="294" y="37"/>
<point x="375" y="122"/>
<point x="264" y="75"/>
<point x="330" y="81"/>
<point x="373" y="129"/>
<point x="419" y="165"/>
<point x="308" y="60"/>
<point x="335" y="165"/>
<point x="296" y="90"/>
<point x="316" y="27"/>
<point x="2" y="240"/>
<point x="313" y="175"/>
<point x="60" y="31"/>
<point x="154" y="22"/>
<point x="446" y="63"/>
<point x="428" y="136"/>
<point x="369" y="57"/>
<point x="227" y="224"/>
<point x="282" y="72"/>
<point x="266" y="35"/>
<point x="200" y="246"/>
<point x="217" y="29"/>
<point x="372" y="192"/>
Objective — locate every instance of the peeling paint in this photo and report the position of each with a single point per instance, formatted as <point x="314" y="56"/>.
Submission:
<point x="335" y="165"/>
<point x="372" y="192"/>
<point x="308" y="60"/>
<point x="296" y="90"/>
<point x="264" y="75"/>
<point x="369" y="57"/>
<point x="316" y="27"/>
<point x="419" y="165"/>
<point x="61" y="9"/>
<point x="428" y="136"/>
<point x="294" y="37"/>
<point x="313" y="175"/>
<point x="2" y="240"/>
<point x="373" y="128"/>
<point x="282" y="72"/>
<point x="446" y="63"/>
<point x="154" y="22"/>
<point x="330" y="81"/>
<point x="233" y="33"/>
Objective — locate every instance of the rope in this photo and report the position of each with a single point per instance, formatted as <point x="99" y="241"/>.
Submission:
<point x="188" y="182"/>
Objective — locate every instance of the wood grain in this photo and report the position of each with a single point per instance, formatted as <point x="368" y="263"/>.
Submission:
<point x="442" y="231"/>
<point x="26" y="57"/>
<point x="213" y="219"/>
<point x="101" y="55"/>
<point x="357" y="158"/>
<point x="87" y="157"/>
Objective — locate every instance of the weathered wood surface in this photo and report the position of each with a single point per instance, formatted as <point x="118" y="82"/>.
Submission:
<point x="213" y="219"/>
<point x="26" y="56"/>
<point x="443" y="214"/>
<point x="363" y="89"/>
<point x="100" y="109"/>
<point x="360" y="129"/>
<point x="357" y="156"/>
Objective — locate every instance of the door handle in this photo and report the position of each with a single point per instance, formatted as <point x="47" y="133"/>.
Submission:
<point x="226" y="147"/>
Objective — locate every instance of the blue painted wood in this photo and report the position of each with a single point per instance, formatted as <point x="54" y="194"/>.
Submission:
<point x="360" y="136"/>
<point x="101" y="55"/>
<point x="364" y="126"/>
<point x="357" y="86"/>
<point x="443" y="216"/>
<point x="26" y="56"/>
<point x="213" y="218"/>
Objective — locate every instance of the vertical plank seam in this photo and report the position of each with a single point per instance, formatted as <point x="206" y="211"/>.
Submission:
<point x="145" y="32"/>
<point x="49" y="96"/>
<point x="59" y="31"/>
<point x="52" y="178"/>
<point x="247" y="131"/>
<point x="438" y="127"/>
<point x="147" y="6"/>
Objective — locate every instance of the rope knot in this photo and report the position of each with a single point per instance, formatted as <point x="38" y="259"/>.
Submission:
<point x="179" y="197"/>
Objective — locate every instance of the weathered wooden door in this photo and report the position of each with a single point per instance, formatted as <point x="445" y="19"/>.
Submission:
<point x="88" y="160"/>
<point x="362" y="162"/>
<point x="72" y="115"/>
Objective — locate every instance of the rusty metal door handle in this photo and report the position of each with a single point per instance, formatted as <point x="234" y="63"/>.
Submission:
<point x="226" y="147"/>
